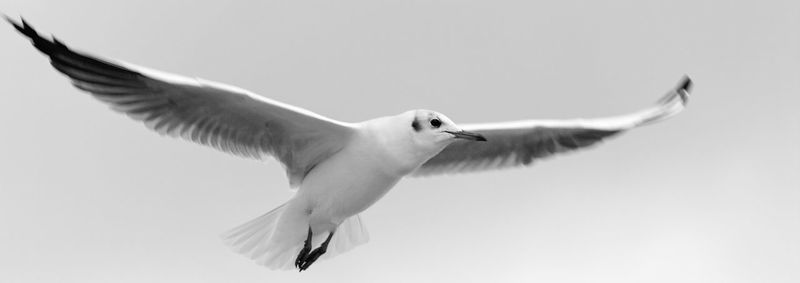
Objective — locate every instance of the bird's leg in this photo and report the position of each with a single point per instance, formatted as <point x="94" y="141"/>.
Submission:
<point x="314" y="255"/>
<point x="301" y="257"/>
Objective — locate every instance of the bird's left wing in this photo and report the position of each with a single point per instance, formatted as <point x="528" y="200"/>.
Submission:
<point x="227" y="118"/>
<point x="520" y="143"/>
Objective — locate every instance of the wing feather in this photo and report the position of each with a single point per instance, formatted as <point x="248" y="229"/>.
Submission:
<point x="224" y="117"/>
<point x="520" y="143"/>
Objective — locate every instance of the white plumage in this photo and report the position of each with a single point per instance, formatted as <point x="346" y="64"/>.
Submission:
<point x="340" y="169"/>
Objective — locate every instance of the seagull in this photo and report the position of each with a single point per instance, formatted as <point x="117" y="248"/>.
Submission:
<point x="338" y="169"/>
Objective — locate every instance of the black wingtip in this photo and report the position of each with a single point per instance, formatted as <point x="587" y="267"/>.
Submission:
<point x="16" y="24"/>
<point x="46" y="46"/>
<point x="686" y="84"/>
<point x="7" y="18"/>
<point x="23" y="27"/>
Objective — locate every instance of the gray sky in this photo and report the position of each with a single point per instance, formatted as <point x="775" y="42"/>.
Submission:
<point x="708" y="196"/>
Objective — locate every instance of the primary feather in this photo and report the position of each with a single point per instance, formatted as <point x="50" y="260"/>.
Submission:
<point x="224" y="117"/>
<point x="520" y="143"/>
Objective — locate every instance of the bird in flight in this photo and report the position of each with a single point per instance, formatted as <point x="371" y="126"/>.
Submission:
<point x="338" y="169"/>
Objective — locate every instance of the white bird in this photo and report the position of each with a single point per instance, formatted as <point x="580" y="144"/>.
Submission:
<point x="339" y="169"/>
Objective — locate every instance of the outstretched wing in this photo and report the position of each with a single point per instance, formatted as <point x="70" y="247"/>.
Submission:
<point x="227" y="118"/>
<point x="520" y="143"/>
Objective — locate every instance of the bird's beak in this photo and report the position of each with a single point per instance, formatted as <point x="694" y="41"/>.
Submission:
<point x="467" y="135"/>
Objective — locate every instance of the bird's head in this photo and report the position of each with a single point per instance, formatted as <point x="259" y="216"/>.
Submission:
<point x="412" y="137"/>
<point x="430" y="127"/>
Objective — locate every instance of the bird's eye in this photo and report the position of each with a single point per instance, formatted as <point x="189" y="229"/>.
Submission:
<point x="436" y="123"/>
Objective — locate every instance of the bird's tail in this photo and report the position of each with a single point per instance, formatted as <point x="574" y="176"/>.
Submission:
<point x="257" y="239"/>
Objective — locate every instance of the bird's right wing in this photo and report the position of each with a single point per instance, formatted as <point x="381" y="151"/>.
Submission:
<point x="520" y="143"/>
<point x="227" y="118"/>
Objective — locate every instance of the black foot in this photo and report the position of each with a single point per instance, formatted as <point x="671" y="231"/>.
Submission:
<point x="312" y="257"/>
<point x="306" y="258"/>
<point x="304" y="252"/>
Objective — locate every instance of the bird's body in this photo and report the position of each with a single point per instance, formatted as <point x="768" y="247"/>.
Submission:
<point x="339" y="169"/>
<point x="362" y="172"/>
<point x="352" y="179"/>
<point x="379" y="153"/>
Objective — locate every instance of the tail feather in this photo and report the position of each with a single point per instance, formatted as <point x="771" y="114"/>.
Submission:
<point x="244" y="236"/>
<point x="257" y="239"/>
<point x="350" y="234"/>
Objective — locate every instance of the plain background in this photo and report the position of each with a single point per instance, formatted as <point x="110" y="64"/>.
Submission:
<point x="711" y="195"/>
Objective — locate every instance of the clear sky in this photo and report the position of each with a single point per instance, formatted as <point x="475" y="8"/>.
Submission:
<point x="87" y="195"/>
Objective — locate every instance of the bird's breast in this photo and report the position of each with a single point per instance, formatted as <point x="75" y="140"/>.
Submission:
<point x="349" y="182"/>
